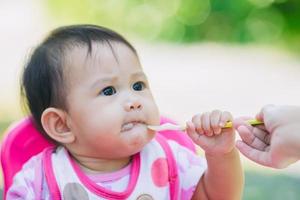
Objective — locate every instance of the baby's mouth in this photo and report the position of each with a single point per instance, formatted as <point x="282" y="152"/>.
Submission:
<point x="130" y="125"/>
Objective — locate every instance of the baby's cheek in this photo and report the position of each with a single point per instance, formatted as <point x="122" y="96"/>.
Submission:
<point x="154" y="115"/>
<point x="110" y="124"/>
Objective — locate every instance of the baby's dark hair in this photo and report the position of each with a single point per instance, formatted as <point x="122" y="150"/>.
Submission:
<point x="42" y="81"/>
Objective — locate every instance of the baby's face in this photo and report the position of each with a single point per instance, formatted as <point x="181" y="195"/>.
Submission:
<point x="109" y="100"/>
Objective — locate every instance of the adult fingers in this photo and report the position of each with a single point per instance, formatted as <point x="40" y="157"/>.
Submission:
<point x="260" y="157"/>
<point x="250" y="138"/>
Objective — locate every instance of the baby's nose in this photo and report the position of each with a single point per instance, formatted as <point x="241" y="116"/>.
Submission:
<point x="133" y="105"/>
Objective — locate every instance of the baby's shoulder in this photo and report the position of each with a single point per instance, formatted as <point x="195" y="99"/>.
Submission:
<point x="30" y="169"/>
<point x="29" y="177"/>
<point x="33" y="162"/>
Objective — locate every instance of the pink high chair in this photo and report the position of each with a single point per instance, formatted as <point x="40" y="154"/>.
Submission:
<point x="22" y="141"/>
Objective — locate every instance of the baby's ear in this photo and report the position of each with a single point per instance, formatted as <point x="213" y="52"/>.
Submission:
<point x="54" y="122"/>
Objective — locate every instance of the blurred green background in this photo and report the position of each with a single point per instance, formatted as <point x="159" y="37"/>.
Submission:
<point x="273" y="22"/>
<point x="177" y="24"/>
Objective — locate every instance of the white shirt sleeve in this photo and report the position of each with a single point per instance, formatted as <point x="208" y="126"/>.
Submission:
<point x="27" y="182"/>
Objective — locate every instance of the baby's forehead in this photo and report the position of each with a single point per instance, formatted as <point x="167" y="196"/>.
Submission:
<point x="101" y="57"/>
<point x="99" y="53"/>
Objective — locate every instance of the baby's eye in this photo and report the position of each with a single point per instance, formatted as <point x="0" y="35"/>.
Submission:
<point x="138" y="86"/>
<point x="108" y="91"/>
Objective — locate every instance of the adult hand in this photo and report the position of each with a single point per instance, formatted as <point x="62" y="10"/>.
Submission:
<point x="276" y="143"/>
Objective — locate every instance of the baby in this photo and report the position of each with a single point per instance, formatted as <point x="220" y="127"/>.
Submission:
<point x="88" y="94"/>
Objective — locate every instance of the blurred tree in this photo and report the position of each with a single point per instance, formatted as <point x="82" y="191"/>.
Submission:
<point x="261" y="21"/>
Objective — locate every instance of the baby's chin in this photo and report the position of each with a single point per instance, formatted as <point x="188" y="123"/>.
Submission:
<point x="138" y="140"/>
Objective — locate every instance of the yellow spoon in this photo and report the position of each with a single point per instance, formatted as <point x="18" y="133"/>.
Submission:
<point x="169" y="126"/>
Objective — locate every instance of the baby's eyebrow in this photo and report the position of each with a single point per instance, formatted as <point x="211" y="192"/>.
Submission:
<point x="138" y="74"/>
<point x="113" y="79"/>
<point x="108" y="79"/>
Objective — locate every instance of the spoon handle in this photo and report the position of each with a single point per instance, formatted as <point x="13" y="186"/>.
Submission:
<point x="169" y="126"/>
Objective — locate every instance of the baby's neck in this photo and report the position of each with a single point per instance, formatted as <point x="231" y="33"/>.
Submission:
<point x="95" y="165"/>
